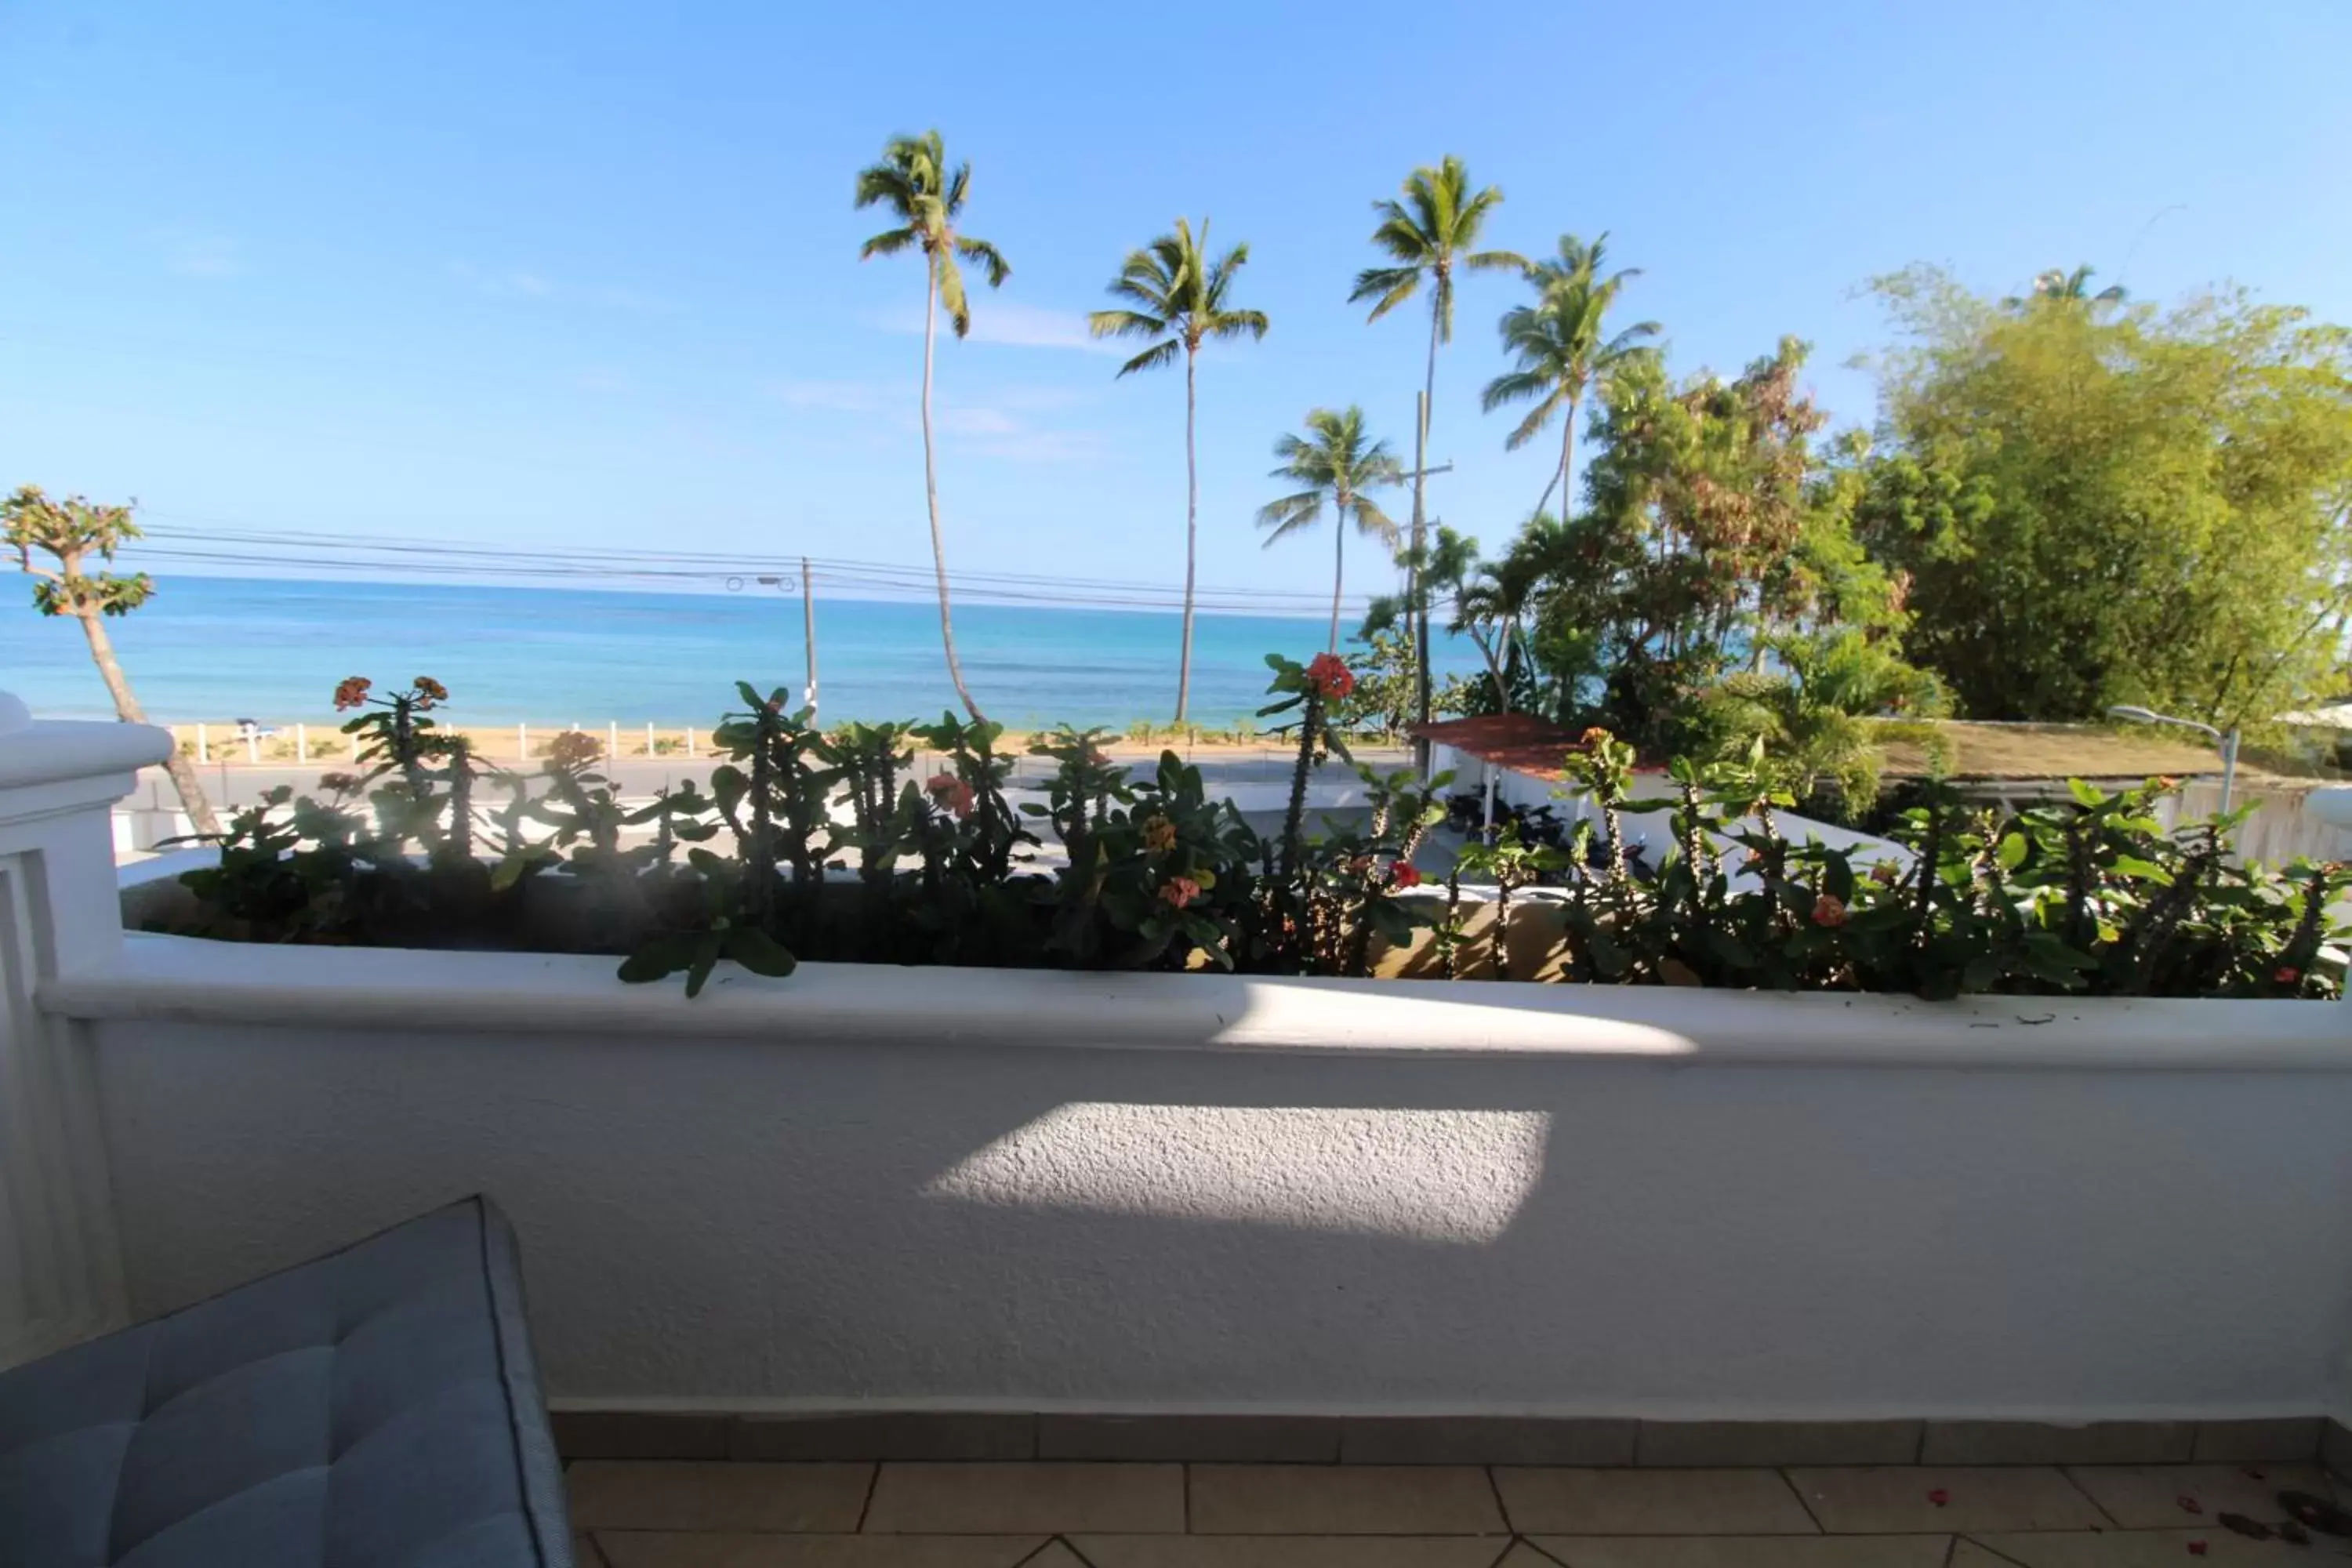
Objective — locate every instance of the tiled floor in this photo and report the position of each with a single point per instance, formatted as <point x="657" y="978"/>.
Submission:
<point x="745" y="1514"/>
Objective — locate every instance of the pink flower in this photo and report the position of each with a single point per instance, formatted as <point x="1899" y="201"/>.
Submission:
<point x="1829" y="911"/>
<point x="951" y="793"/>
<point x="1178" y="891"/>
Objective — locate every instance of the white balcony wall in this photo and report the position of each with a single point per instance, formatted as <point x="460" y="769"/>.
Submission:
<point x="1017" y="1190"/>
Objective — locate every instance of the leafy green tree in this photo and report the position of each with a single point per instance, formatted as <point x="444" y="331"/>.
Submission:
<point x="1427" y="235"/>
<point x="1563" y="346"/>
<point x="2130" y="506"/>
<point x="1334" y="462"/>
<point x="914" y="184"/>
<point x="1176" y="294"/>
<point x="71" y="533"/>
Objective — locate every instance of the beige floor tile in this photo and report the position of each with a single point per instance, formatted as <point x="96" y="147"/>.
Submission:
<point x="1343" y="1499"/>
<point x="2148" y="1497"/>
<point x="2146" y="1548"/>
<point x="1748" y="1550"/>
<point x="671" y="1549"/>
<point x="971" y="1500"/>
<point x="1650" y="1502"/>
<point x="668" y="1494"/>
<point x="1901" y="1498"/>
<point x="1295" y="1551"/>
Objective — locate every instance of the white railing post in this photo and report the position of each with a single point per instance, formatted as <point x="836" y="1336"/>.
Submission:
<point x="60" y="913"/>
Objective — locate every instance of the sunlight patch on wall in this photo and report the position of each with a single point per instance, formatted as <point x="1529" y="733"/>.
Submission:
<point x="1458" y="1177"/>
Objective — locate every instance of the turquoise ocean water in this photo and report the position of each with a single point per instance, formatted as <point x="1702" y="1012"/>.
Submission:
<point x="219" y="647"/>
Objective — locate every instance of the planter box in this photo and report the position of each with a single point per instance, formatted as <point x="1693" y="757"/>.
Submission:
<point x="943" y="1189"/>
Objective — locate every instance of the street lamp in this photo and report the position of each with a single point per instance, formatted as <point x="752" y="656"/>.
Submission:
<point x="2229" y="742"/>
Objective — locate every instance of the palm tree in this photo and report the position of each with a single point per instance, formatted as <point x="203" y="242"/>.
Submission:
<point x="1178" y="296"/>
<point x="913" y="183"/>
<point x="1561" y="346"/>
<point x="1333" y="461"/>
<point x="1428" y="233"/>
<point x="2061" y="286"/>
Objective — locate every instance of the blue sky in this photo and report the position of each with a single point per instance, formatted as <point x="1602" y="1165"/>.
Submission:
<point x="586" y="274"/>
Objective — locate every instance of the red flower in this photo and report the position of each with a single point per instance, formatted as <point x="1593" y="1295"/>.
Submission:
<point x="1178" y="891"/>
<point x="1332" y="675"/>
<point x="1940" y="1497"/>
<point x="1404" y="874"/>
<point x="951" y="793"/>
<point x="351" y="692"/>
<point x="2196" y="1549"/>
<point x="1828" y="910"/>
<point x="2288" y="975"/>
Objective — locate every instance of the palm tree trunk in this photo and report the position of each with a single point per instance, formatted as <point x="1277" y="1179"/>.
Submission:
<point x="1567" y="462"/>
<point x="1338" y="573"/>
<point x="1191" y="536"/>
<point x="932" y="488"/>
<point x="127" y="708"/>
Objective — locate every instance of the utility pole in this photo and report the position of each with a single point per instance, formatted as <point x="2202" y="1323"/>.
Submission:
<point x="1417" y="612"/>
<point x="808" y="629"/>
<point x="808" y="626"/>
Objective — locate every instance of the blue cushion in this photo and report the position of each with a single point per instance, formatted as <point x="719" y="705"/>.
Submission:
<point x="375" y="1408"/>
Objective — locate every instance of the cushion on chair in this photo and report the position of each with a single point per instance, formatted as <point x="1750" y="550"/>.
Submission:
<point x="374" y="1408"/>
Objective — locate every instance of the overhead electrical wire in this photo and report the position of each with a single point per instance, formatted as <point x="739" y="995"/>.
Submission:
<point x="277" y="550"/>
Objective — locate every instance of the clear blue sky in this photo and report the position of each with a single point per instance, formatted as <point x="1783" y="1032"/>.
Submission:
<point x="587" y="274"/>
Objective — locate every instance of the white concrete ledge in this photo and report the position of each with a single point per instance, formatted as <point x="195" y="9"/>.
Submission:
<point x="187" y="980"/>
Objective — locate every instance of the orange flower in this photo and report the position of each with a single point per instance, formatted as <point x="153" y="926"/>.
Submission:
<point x="1158" y="834"/>
<point x="351" y="692"/>
<point x="1594" y="737"/>
<point x="1178" y="891"/>
<point x="1828" y="910"/>
<point x="951" y="793"/>
<point x="1332" y="675"/>
<point x="430" y="691"/>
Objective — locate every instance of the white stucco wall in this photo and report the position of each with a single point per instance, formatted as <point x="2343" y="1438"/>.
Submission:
<point x="939" y="1187"/>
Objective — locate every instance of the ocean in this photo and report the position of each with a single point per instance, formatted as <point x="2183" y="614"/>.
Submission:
<point x="213" y="648"/>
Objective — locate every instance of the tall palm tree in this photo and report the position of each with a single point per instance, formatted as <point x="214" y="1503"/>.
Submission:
<point x="913" y="183"/>
<point x="1334" y="461"/>
<point x="1177" y="295"/>
<point x="1428" y="233"/>
<point x="1562" y="346"/>
<point x="2061" y="286"/>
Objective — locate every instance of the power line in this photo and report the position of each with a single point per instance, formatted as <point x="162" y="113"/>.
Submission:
<point x="281" y="549"/>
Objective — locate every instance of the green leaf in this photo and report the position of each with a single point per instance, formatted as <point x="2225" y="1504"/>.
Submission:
<point x="760" y="953"/>
<point x="705" y="959"/>
<point x="2085" y="795"/>
<point x="2011" y="853"/>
